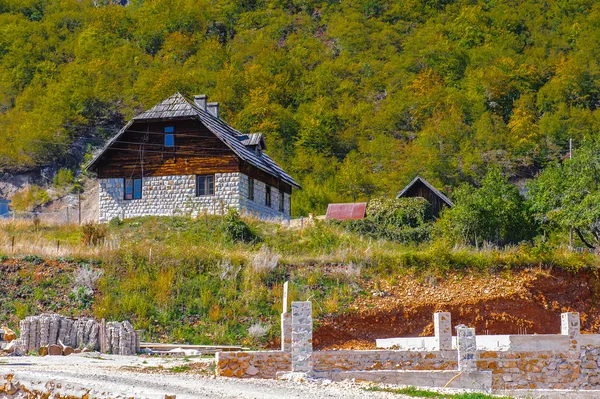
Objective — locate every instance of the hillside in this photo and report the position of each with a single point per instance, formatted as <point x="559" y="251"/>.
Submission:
<point x="196" y="281"/>
<point x="354" y="97"/>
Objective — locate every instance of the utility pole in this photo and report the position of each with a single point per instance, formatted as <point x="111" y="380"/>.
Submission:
<point x="571" y="157"/>
<point x="570" y="148"/>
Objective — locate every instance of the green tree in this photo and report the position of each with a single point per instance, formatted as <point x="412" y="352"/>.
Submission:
<point x="567" y="195"/>
<point x="495" y="212"/>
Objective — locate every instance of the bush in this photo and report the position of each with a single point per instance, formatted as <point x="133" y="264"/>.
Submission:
<point x="64" y="177"/>
<point x="406" y="220"/>
<point x="30" y="198"/>
<point x="92" y="233"/>
<point x="237" y="230"/>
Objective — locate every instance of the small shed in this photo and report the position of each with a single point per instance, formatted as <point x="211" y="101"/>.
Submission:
<point x="4" y="208"/>
<point x="420" y="187"/>
<point x="352" y="211"/>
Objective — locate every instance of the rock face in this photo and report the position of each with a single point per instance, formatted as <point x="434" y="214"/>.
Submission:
<point x="83" y="334"/>
<point x="176" y="195"/>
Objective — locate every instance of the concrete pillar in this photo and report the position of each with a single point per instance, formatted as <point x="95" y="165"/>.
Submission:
<point x="302" y="324"/>
<point x="442" y="325"/>
<point x="286" y="332"/>
<point x="570" y="325"/>
<point x="467" y="348"/>
<point x="286" y="322"/>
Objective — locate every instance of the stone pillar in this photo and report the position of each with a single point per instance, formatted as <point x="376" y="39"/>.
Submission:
<point x="442" y="325"/>
<point x="570" y="326"/>
<point x="302" y="348"/>
<point x="467" y="348"/>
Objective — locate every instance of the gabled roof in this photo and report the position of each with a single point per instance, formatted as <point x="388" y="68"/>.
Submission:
<point x="429" y="186"/>
<point x="178" y="107"/>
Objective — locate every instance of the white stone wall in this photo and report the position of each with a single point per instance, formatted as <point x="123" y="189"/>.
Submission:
<point x="257" y="206"/>
<point x="167" y="196"/>
<point x="176" y="195"/>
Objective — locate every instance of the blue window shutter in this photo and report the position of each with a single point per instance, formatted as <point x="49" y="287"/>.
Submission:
<point x="137" y="188"/>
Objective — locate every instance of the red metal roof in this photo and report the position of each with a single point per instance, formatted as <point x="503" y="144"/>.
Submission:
<point x="346" y="211"/>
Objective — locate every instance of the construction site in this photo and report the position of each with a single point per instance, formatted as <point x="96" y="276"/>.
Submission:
<point x="60" y="357"/>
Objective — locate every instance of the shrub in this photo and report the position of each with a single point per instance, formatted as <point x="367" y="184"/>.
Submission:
<point x="406" y="220"/>
<point x="265" y="261"/>
<point x="63" y="178"/>
<point x="29" y="198"/>
<point x="258" y="331"/>
<point x="92" y="233"/>
<point x="237" y="230"/>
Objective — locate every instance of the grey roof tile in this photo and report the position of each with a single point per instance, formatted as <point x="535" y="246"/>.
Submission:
<point x="178" y="106"/>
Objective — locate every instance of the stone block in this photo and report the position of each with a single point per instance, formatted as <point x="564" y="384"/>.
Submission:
<point x="467" y="348"/>
<point x="442" y="324"/>
<point x="302" y="348"/>
<point x="570" y="326"/>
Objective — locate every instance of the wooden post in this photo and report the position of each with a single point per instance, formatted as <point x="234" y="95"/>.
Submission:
<point x="57" y="246"/>
<point x="13" y="245"/>
<point x="285" y="296"/>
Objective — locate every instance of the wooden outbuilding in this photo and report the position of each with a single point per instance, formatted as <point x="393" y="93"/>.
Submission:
<point x="420" y="187"/>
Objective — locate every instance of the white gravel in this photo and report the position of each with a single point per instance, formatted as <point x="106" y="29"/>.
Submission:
<point x="106" y="377"/>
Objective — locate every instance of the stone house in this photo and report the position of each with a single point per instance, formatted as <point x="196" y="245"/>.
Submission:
<point x="180" y="158"/>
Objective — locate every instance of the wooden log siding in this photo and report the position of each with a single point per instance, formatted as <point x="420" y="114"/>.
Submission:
<point x="196" y="151"/>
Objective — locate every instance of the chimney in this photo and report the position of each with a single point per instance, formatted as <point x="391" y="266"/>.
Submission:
<point x="200" y="100"/>
<point x="213" y="108"/>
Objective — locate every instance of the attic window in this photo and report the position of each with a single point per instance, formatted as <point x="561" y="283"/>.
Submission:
<point x="169" y="136"/>
<point x="259" y="150"/>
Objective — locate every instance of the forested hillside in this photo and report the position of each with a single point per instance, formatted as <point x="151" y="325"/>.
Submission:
<point x="355" y="97"/>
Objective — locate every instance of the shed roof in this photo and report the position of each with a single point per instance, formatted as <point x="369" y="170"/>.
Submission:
<point x="178" y="107"/>
<point x="429" y="186"/>
<point x="352" y="211"/>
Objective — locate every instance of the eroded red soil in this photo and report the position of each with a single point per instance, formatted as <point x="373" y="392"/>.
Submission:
<point x="527" y="301"/>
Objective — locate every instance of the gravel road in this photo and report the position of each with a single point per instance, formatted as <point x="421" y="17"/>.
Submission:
<point x="126" y="377"/>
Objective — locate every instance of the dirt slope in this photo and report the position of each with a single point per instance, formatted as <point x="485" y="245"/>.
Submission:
<point x="513" y="302"/>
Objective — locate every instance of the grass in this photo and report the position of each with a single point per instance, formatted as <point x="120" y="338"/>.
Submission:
<point x="422" y="393"/>
<point x="189" y="280"/>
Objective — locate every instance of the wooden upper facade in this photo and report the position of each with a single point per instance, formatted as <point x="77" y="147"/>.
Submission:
<point x="420" y="187"/>
<point x="200" y="144"/>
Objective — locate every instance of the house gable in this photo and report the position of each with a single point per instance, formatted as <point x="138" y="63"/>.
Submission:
<point x="420" y="187"/>
<point x="203" y="144"/>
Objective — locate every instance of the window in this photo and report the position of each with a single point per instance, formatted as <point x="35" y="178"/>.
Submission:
<point x="259" y="150"/>
<point x="267" y="196"/>
<point x="133" y="189"/>
<point x="169" y="136"/>
<point x="205" y="185"/>
<point x="251" y="189"/>
<point x="281" y="199"/>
